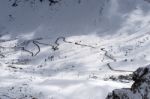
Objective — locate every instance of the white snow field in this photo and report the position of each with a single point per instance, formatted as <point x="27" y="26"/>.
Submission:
<point x="76" y="70"/>
<point x="75" y="51"/>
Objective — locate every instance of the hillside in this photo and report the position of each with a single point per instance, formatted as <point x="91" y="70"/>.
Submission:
<point x="64" y="68"/>
<point x="76" y="49"/>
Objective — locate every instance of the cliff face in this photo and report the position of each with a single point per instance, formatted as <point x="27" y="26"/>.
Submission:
<point x="140" y="88"/>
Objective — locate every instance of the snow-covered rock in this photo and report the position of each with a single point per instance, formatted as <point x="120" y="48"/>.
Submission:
<point x="140" y="88"/>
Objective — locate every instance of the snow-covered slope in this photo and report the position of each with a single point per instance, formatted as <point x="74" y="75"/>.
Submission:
<point x="69" y="18"/>
<point x="77" y="67"/>
<point x="71" y="50"/>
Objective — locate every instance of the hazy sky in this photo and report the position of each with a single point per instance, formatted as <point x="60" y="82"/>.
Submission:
<point x="70" y="18"/>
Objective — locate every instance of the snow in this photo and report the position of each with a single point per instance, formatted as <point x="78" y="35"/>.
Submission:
<point x="117" y="36"/>
<point x="75" y="72"/>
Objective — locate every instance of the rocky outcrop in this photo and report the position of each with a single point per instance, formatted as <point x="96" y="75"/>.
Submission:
<point x="140" y="88"/>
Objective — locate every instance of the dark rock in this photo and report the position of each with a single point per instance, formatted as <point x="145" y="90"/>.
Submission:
<point x="140" y="88"/>
<point x="120" y="78"/>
